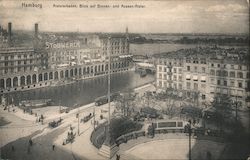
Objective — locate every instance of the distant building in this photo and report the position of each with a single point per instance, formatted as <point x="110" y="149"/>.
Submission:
<point x="59" y="59"/>
<point x="204" y="72"/>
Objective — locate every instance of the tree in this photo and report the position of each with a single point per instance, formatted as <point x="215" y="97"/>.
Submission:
<point x="223" y="108"/>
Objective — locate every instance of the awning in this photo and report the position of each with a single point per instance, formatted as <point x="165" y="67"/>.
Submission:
<point x="195" y="78"/>
<point x="188" y="77"/>
<point x="203" y="78"/>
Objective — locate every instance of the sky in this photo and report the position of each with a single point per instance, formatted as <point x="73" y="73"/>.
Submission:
<point x="161" y="16"/>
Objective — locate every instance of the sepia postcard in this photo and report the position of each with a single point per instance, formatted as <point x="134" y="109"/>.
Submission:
<point x="124" y="79"/>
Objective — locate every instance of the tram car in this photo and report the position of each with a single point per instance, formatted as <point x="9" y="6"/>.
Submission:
<point x="104" y="99"/>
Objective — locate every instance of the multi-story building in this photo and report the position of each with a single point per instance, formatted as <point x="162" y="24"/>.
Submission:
<point x="205" y="72"/>
<point x="87" y="49"/>
<point x="43" y="64"/>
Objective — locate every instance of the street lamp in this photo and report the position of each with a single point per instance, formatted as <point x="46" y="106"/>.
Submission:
<point x="189" y="135"/>
<point x="236" y="103"/>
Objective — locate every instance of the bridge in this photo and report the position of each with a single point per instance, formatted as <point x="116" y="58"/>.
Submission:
<point x="148" y="67"/>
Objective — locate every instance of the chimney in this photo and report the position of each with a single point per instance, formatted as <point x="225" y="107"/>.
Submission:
<point x="9" y="32"/>
<point x="36" y="30"/>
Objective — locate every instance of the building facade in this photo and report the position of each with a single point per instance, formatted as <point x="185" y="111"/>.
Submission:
<point x="56" y="62"/>
<point x="205" y="72"/>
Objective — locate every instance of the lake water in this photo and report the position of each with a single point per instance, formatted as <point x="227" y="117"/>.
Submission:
<point x="86" y="91"/>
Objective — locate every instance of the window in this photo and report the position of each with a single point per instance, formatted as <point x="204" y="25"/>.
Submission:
<point x="19" y="56"/>
<point x="203" y="86"/>
<point x="232" y="74"/>
<point x="240" y="75"/>
<point x="180" y="78"/>
<point x="240" y="67"/>
<point x="180" y="86"/>
<point x="218" y="65"/>
<point x="196" y="86"/>
<point x="212" y="72"/>
<point x="160" y="68"/>
<point x="232" y="83"/>
<point x="188" y="85"/>
<point x="225" y="73"/>
<point x="203" y="96"/>
<point x="232" y="66"/>
<point x="195" y="68"/>
<point x="225" y="83"/>
<point x="175" y="77"/>
<point x="218" y="73"/>
<point x="212" y="64"/>
<point x="188" y="68"/>
<point x="160" y="75"/>
<point x="218" y="82"/>
<point x="174" y="70"/>
<point x="5" y="63"/>
<point x="248" y="75"/>
<point x="180" y="70"/>
<point x="240" y="84"/>
<point x="165" y="76"/>
<point x="160" y="84"/>
<point x="203" y="69"/>
<point x="212" y="80"/>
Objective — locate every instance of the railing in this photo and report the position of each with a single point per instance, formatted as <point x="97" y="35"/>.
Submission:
<point x="195" y="132"/>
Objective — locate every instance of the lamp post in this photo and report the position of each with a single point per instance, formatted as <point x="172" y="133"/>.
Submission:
<point x="78" y="131"/>
<point x="189" y="135"/>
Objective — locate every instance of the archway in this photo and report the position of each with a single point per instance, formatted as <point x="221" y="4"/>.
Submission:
<point x="22" y="81"/>
<point x="66" y="74"/>
<point x="15" y="82"/>
<point x="87" y="70"/>
<point x="45" y="76"/>
<point x="28" y="80"/>
<point x="80" y="71"/>
<point x="34" y="79"/>
<point x="61" y="74"/>
<point x="71" y="73"/>
<point x="95" y="69"/>
<point x="2" y="83"/>
<point x="75" y="71"/>
<point x="8" y="83"/>
<point x="40" y="77"/>
<point x="56" y="75"/>
<point x="50" y="75"/>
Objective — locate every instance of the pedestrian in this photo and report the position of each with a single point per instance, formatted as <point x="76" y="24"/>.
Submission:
<point x="30" y="142"/>
<point x="53" y="147"/>
<point x="12" y="148"/>
<point x="117" y="157"/>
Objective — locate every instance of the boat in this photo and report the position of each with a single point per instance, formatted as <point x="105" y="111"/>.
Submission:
<point x="36" y="103"/>
<point x="143" y="73"/>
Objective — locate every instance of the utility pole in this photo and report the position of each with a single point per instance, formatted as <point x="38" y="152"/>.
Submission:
<point x="189" y="135"/>
<point x="78" y="115"/>
<point x="94" y="116"/>
<point x="109" y="69"/>
<point x="236" y="109"/>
